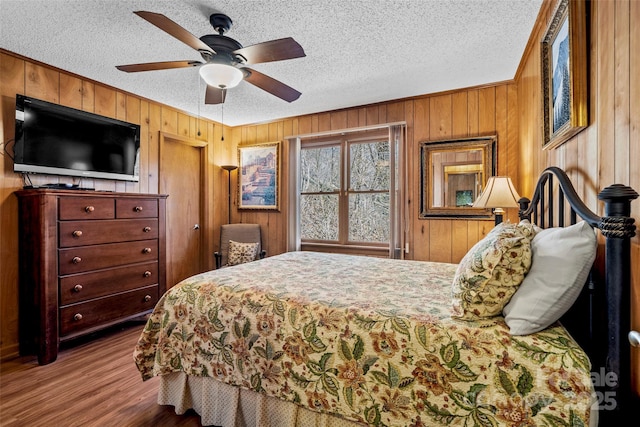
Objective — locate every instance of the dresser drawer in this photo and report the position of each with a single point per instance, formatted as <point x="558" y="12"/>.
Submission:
<point x="85" y="258"/>
<point x="78" y="317"/>
<point x="86" y="208"/>
<point x="83" y="286"/>
<point x="81" y="233"/>
<point x="136" y="208"/>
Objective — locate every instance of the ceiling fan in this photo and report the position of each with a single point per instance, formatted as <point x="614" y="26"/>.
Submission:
<point x="224" y="58"/>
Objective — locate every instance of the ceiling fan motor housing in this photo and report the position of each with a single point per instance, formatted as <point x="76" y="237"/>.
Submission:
<point x="221" y="44"/>
<point x="224" y="47"/>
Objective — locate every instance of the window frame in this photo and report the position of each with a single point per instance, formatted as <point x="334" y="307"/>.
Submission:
<point x="345" y="141"/>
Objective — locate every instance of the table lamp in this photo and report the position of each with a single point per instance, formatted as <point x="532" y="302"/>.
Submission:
<point x="498" y="194"/>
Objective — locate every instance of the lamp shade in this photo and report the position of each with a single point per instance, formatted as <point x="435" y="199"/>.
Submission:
<point x="221" y="75"/>
<point x="498" y="193"/>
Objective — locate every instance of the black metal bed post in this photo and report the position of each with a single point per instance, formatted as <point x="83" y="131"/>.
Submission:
<point x="617" y="227"/>
<point x="524" y="205"/>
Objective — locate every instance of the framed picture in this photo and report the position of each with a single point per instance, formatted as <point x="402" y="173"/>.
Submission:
<point x="259" y="176"/>
<point x="564" y="73"/>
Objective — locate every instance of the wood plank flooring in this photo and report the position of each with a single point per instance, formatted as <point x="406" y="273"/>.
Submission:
<point x="94" y="382"/>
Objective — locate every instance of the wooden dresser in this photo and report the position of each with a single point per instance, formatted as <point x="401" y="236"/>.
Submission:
<point x="88" y="260"/>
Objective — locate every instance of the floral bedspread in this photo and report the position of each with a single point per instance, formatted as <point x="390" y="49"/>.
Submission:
<point x="366" y="338"/>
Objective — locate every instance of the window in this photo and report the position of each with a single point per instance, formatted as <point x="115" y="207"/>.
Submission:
<point x="347" y="195"/>
<point x="368" y="192"/>
<point x="320" y="169"/>
<point x="345" y="185"/>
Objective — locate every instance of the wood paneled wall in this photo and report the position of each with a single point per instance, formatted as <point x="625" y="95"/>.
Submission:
<point x="608" y="150"/>
<point x="19" y="75"/>
<point x="490" y="110"/>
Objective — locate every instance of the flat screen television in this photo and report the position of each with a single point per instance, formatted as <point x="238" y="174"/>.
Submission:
<point x="58" y="140"/>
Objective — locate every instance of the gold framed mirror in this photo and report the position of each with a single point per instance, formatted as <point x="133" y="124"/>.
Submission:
<point x="453" y="174"/>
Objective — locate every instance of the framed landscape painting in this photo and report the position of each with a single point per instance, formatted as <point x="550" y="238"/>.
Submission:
<point x="564" y="74"/>
<point x="259" y="176"/>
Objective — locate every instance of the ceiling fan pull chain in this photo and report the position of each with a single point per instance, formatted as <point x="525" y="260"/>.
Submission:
<point x="198" y="121"/>
<point x="222" y="106"/>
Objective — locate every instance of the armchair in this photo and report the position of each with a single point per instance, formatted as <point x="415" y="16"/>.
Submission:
<point x="238" y="233"/>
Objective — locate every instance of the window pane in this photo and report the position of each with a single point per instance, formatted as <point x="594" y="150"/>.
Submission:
<point x="320" y="169"/>
<point x="319" y="217"/>
<point x="369" y="217"/>
<point x="369" y="166"/>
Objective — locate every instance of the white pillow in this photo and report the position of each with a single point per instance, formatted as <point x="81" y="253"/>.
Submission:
<point x="562" y="258"/>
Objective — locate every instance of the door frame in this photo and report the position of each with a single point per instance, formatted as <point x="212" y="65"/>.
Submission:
<point x="205" y="223"/>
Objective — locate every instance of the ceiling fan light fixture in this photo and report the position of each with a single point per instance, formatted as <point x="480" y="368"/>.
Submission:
<point x="221" y="75"/>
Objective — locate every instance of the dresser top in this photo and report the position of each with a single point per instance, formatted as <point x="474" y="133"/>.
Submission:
<point x="31" y="192"/>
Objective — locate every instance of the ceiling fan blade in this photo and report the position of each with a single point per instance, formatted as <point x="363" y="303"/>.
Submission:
<point x="274" y="50"/>
<point x="151" y="66"/>
<point x="215" y="95"/>
<point x="170" y="27"/>
<point x="271" y="85"/>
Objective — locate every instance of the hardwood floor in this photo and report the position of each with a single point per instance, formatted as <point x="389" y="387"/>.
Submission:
<point x="92" y="383"/>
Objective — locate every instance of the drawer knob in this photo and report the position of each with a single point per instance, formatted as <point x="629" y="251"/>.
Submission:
<point x="77" y="233"/>
<point x="77" y="316"/>
<point x="147" y="273"/>
<point x="76" y="260"/>
<point x="77" y="288"/>
<point x="147" y="298"/>
<point x="146" y="229"/>
<point x="89" y="209"/>
<point x="146" y="251"/>
<point x="138" y="209"/>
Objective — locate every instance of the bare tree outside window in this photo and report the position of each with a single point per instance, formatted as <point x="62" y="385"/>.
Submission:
<point x="320" y="177"/>
<point x="369" y="192"/>
<point x="351" y="210"/>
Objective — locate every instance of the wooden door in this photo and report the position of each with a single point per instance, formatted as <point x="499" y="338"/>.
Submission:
<point x="181" y="177"/>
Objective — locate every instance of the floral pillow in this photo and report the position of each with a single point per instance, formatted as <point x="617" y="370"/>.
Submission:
<point x="491" y="272"/>
<point x="239" y="253"/>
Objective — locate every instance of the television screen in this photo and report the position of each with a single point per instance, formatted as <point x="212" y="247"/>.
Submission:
<point x="58" y="140"/>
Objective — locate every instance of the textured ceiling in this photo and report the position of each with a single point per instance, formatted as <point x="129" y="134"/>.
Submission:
<point x="358" y="52"/>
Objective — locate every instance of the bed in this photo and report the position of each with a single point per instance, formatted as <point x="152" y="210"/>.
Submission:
<point x="317" y="339"/>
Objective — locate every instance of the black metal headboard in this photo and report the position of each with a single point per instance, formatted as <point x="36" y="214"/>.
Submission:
<point x="601" y="329"/>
